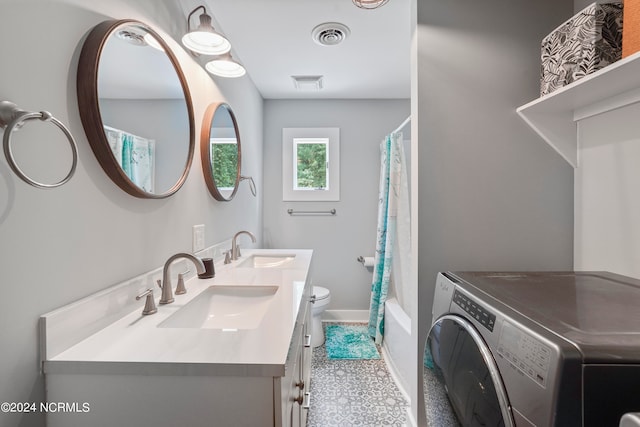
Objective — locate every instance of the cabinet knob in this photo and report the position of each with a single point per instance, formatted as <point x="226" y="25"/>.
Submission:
<point x="300" y="385"/>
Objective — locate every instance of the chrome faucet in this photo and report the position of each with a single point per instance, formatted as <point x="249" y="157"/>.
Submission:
<point x="167" y="293"/>
<point x="235" y="252"/>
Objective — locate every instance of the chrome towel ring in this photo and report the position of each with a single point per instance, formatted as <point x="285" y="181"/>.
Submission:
<point x="252" y="184"/>
<point x="13" y="118"/>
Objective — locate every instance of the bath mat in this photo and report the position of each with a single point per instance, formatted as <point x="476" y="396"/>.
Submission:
<point x="349" y="342"/>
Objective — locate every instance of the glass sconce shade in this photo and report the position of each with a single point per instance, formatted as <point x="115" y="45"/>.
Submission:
<point x="204" y="39"/>
<point x="369" y="4"/>
<point x="225" y="66"/>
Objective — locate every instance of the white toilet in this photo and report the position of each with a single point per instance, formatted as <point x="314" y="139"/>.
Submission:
<point x="320" y="303"/>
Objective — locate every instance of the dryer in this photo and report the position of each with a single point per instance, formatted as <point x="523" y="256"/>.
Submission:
<point x="536" y="349"/>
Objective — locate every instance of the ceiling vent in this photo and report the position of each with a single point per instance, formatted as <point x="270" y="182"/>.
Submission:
<point x="132" y="35"/>
<point x="307" y="83"/>
<point x="330" y="33"/>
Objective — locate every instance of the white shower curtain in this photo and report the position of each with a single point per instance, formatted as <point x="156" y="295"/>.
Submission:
<point x="393" y="237"/>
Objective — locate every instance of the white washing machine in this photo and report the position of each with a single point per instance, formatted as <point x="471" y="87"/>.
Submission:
<point x="519" y="349"/>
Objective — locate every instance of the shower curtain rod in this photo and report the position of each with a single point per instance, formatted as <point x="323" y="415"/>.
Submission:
<point x="403" y="124"/>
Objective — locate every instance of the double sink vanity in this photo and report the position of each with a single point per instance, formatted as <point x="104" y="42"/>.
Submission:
<point x="233" y="351"/>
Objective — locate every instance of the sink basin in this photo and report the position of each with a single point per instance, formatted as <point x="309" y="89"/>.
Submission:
<point x="224" y="307"/>
<point x="268" y="261"/>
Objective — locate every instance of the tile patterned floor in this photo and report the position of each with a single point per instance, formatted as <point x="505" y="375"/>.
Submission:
<point x="438" y="409"/>
<point x="353" y="393"/>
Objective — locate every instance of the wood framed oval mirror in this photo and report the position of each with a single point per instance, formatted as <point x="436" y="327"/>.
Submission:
<point x="135" y="108"/>
<point x="220" y="151"/>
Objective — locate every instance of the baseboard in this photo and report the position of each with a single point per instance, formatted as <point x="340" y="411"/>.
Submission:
<point x="345" y="316"/>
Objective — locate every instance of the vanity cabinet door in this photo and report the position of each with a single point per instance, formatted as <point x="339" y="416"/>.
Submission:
<point x="298" y="391"/>
<point x="293" y="398"/>
<point x="291" y="394"/>
<point x="287" y="388"/>
<point x="305" y="364"/>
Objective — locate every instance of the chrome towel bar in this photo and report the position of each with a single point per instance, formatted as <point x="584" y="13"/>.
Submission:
<point x="330" y="212"/>
<point x="13" y="118"/>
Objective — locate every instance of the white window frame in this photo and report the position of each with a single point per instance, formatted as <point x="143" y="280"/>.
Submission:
<point x="289" y="137"/>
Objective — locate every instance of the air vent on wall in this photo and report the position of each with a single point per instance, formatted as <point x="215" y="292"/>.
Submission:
<point x="330" y="33"/>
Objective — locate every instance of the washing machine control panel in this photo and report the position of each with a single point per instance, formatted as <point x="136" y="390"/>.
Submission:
<point x="475" y="310"/>
<point x="525" y="353"/>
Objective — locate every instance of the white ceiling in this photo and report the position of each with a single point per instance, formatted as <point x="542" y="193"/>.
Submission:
<point x="272" y="39"/>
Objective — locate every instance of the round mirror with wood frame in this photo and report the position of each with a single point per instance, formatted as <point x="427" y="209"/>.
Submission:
<point x="220" y="151"/>
<point x="136" y="108"/>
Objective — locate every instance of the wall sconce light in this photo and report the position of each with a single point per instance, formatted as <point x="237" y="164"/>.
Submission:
<point x="369" y="4"/>
<point x="225" y="66"/>
<point x="204" y="39"/>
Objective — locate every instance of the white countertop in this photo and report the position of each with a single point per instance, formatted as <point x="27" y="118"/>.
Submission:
<point x="135" y="343"/>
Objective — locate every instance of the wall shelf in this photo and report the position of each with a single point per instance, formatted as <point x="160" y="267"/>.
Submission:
<point x="554" y="116"/>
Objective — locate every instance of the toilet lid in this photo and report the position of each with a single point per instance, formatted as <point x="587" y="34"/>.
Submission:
<point x="320" y="292"/>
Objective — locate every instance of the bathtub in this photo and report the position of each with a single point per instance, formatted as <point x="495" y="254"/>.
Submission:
<point x="397" y="345"/>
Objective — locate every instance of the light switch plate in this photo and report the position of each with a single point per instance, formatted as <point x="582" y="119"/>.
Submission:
<point x="198" y="237"/>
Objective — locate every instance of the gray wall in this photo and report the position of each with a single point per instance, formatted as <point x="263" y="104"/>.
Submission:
<point x="337" y="241"/>
<point x="492" y="195"/>
<point x="63" y="244"/>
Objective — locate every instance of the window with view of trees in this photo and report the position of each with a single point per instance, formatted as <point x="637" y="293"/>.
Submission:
<point x="224" y="161"/>
<point x="311" y="164"/>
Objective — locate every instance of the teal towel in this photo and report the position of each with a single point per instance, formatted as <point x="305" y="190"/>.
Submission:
<point x="428" y="359"/>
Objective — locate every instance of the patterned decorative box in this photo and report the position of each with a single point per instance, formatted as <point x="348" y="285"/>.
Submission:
<point x="589" y="41"/>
